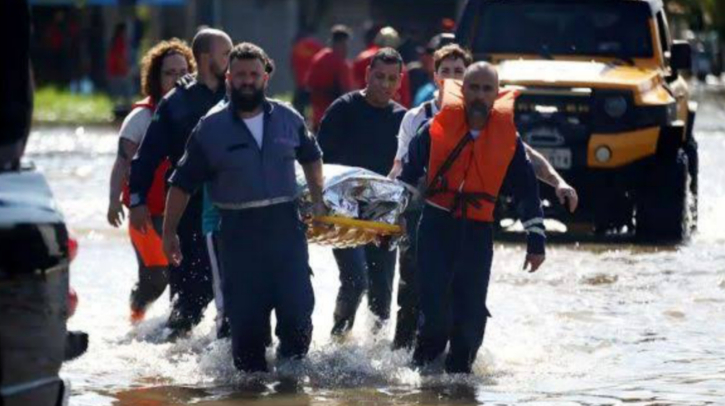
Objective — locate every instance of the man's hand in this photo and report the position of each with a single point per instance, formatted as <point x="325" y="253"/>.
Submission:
<point x="396" y="169"/>
<point x="172" y="249"/>
<point x="567" y="194"/>
<point x="139" y="217"/>
<point x="535" y="260"/>
<point x="115" y="213"/>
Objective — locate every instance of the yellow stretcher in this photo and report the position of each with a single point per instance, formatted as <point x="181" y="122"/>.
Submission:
<point x="341" y="232"/>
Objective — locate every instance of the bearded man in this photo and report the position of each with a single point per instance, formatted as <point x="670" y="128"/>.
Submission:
<point x="243" y="152"/>
<point x="176" y="116"/>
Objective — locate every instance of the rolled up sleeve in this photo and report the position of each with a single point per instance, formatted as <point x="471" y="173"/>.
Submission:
<point x="193" y="169"/>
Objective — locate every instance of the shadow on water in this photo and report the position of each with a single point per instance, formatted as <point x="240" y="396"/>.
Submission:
<point x="294" y="391"/>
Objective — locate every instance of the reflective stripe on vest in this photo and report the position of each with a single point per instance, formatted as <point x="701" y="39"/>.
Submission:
<point x="465" y="174"/>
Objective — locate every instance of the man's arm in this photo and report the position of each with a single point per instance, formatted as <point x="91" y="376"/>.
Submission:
<point x="176" y="201"/>
<point x="331" y="133"/>
<point x="525" y="190"/>
<point x="309" y="156"/>
<point x="153" y="149"/>
<point x="415" y="163"/>
<point x="191" y="173"/>
<point x="405" y="134"/>
<point x="547" y="174"/>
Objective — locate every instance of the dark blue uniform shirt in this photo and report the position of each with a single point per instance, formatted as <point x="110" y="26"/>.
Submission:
<point x="223" y="152"/>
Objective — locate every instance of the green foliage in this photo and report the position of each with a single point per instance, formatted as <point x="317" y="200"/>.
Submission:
<point x="59" y="106"/>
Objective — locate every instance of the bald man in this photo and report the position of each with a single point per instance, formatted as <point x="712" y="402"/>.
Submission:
<point x="176" y="116"/>
<point x="467" y="150"/>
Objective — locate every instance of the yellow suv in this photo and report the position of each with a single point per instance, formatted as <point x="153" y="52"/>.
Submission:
<point x="602" y="98"/>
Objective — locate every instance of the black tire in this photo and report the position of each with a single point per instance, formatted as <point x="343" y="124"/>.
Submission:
<point x="663" y="210"/>
<point x="693" y="166"/>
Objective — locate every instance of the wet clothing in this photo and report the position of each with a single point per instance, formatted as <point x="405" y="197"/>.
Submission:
<point x="262" y="243"/>
<point x="407" y="320"/>
<point x="454" y="259"/>
<point x="328" y="78"/>
<point x="355" y="133"/>
<point x="176" y="116"/>
<point x="368" y="268"/>
<point x="153" y="274"/>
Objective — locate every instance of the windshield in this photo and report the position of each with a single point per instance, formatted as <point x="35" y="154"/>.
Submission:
<point x="617" y="29"/>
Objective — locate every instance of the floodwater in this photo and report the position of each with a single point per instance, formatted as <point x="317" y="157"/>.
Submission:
<point x="600" y="324"/>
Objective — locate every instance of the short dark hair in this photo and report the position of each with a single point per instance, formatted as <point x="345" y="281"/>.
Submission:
<point x="387" y="56"/>
<point x="201" y="44"/>
<point x="451" y="51"/>
<point x="247" y="50"/>
<point x="340" y="33"/>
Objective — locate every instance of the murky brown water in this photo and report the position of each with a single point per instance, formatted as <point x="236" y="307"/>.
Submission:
<point x="601" y="324"/>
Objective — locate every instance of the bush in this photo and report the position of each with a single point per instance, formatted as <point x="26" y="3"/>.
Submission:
<point x="60" y="106"/>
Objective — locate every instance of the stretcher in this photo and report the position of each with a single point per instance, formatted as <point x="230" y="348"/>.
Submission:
<point x="364" y="208"/>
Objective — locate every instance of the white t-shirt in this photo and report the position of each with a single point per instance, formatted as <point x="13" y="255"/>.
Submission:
<point x="256" y="127"/>
<point x="135" y="124"/>
<point x="412" y="122"/>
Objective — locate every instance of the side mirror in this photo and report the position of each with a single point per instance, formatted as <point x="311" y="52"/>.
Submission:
<point x="681" y="55"/>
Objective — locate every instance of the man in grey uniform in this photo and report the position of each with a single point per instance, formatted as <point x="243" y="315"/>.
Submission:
<point x="244" y="151"/>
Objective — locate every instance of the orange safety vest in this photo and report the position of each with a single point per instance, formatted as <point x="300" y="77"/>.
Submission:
<point x="468" y="184"/>
<point x="156" y="198"/>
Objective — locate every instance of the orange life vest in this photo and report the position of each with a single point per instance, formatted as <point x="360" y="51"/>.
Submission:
<point x="470" y="185"/>
<point x="156" y="198"/>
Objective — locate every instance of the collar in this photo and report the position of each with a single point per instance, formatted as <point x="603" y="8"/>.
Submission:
<point x="267" y="108"/>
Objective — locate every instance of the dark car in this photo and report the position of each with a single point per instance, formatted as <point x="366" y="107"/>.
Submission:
<point x="35" y="299"/>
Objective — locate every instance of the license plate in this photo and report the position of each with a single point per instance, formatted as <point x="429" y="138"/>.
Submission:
<point x="560" y="158"/>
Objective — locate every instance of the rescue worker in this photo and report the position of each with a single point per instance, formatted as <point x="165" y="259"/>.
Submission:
<point x="245" y="150"/>
<point x="468" y="149"/>
<point x="175" y="117"/>
<point x="359" y="130"/>
<point x="329" y="75"/>
<point x="161" y="67"/>
<point x="387" y="37"/>
<point x="450" y="62"/>
<point x="303" y="52"/>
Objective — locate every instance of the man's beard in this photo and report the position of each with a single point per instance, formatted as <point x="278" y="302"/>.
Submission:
<point x="479" y="109"/>
<point x="247" y="102"/>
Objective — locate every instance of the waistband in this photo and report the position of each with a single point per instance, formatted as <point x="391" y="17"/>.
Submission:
<point x="255" y="204"/>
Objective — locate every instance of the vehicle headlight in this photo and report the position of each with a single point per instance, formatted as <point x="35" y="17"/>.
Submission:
<point x="615" y="106"/>
<point x="603" y="154"/>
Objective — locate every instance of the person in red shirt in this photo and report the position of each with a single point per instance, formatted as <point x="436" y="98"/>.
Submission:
<point x="303" y="51"/>
<point x="386" y="37"/>
<point x="329" y="75"/>
<point x="117" y="64"/>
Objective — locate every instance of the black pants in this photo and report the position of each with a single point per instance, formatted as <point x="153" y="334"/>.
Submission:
<point x="369" y="268"/>
<point x="266" y="267"/>
<point x="407" y="323"/>
<point x="191" y="282"/>
<point x="454" y="257"/>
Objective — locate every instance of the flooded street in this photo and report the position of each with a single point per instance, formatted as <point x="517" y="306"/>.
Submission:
<point x="600" y="324"/>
